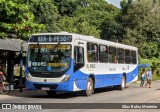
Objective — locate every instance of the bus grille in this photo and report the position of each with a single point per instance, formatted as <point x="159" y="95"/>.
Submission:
<point x="51" y="86"/>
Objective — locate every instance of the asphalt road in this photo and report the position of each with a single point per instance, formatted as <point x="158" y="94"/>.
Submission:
<point x="132" y="94"/>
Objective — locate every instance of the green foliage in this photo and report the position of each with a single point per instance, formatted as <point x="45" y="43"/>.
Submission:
<point x="141" y="20"/>
<point x="74" y="25"/>
<point x="155" y="65"/>
<point x="112" y="30"/>
<point x="137" y="23"/>
<point x="45" y="12"/>
<point x="88" y="17"/>
<point x="17" y="19"/>
<point x="151" y="51"/>
<point x="66" y="7"/>
<point x="85" y="16"/>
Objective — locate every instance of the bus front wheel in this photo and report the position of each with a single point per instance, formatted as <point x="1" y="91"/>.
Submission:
<point x="89" y="88"/>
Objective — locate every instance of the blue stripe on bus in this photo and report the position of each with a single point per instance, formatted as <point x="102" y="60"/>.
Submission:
<point x="80" y="79"/>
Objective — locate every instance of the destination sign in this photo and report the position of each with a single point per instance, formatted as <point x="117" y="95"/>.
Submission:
<point x="49" y="46"/>
<point x="51" y="38"/>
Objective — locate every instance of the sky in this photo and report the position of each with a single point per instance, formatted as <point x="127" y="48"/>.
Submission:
<point x="114" y="2"/>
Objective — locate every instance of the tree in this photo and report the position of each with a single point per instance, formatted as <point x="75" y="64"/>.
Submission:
<point x="76" y="25"/>
<point x="66" y="7"/>
<point x="141" y="24"/>
<point x="85" y="16"/>
<point x="112" y="30"/>
<point x="45" y="12"/>
<point x="17" y="19"/>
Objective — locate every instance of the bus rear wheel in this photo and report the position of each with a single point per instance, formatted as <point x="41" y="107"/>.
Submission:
<point x="89" y="88"/>
<point x="123" y="84"/>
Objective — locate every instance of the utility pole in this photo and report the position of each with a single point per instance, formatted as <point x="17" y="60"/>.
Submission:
<point x="21" y="64"/>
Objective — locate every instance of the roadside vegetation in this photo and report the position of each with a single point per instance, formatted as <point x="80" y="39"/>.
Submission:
<point x="136" y="23"/>
<point x="154" y="64"/>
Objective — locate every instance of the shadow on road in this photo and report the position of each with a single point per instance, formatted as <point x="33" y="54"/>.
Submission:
<point x="40" y="94"/>
<point x="59" y="95"/>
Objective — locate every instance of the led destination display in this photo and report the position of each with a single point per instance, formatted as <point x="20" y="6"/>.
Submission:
<point x="51" y="38"/>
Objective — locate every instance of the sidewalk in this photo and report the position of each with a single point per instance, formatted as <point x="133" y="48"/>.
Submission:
<point x="24" y="93"/>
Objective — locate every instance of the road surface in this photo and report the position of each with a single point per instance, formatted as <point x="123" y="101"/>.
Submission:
<point x="132" y="94"/>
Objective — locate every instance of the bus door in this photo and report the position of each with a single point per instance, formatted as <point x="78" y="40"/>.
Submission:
<point x="78" y="54"/>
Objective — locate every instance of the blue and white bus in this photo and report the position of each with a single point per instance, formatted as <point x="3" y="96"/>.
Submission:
<point x="72" y="62"/>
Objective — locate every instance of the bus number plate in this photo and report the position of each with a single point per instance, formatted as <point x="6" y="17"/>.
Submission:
<point x="45" y="88"/>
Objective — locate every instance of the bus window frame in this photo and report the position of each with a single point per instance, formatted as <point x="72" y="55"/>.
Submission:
<point x="134" y="57"/>
<point x="78" y="65"/>
<point x="106" y="53"/>
<point x="96" y="54"/>
<point x="129" y="57"/>
<point x="121" y="56"/>
<point x="111" y="58"/>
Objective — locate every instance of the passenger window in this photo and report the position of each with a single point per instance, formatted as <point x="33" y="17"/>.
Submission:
<point x="127" y="56"/>
<point x="78" y="58"/>
<point x="92" y="52"/>
<point x="79" y="54"/>
<point x="112" y="54"/>
<point x="133" y="56"/>
<point x="120" y="55"/>
<point x="103" y="54"/>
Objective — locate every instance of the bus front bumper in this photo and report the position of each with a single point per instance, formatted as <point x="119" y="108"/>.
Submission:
<point x="48" y="86"/>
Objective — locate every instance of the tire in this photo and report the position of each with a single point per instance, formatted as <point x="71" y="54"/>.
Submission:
<point x="51" y="93"/>
<point x="89" y="88"/>
<point x="5" y="89"/>
<point x="122" y="86"/>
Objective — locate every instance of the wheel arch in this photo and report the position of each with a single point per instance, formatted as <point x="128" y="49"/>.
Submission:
<point x="124" y="74"/>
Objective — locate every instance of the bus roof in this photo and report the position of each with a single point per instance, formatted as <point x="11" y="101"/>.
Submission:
<point x="91" y="39"/>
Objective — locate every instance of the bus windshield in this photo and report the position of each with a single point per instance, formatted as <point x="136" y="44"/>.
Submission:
<point x="49" y="57"/>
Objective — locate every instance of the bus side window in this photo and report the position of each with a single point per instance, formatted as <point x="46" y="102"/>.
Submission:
<point x="79" y="54"/>
<point x="127" y="56"/>
<point x="92" y="52"/>
<point x="112" y="54"/>
<point x="78" y="58"/>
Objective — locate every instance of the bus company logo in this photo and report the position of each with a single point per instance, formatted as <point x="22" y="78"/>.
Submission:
<point x="90" y="65"/>
<point x="6" y="106"/>
<point x="45" y="80"/>
<point x="112" y="69"/>
<point x="125" y="68"/>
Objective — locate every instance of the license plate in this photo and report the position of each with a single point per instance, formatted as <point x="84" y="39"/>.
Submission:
<point x="45" y="88"/>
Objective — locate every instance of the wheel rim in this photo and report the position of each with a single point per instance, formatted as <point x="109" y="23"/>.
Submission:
<point x="89" y="87"/>
<point x="5" y="89"/>
<point x="123" y="83"/>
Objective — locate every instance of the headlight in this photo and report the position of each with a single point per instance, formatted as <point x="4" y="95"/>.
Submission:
<point x="66" y="78"/>
<point x="27" y="77"/>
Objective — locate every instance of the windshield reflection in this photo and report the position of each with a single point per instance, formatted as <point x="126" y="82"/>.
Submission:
<point x="51" y="58"/>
